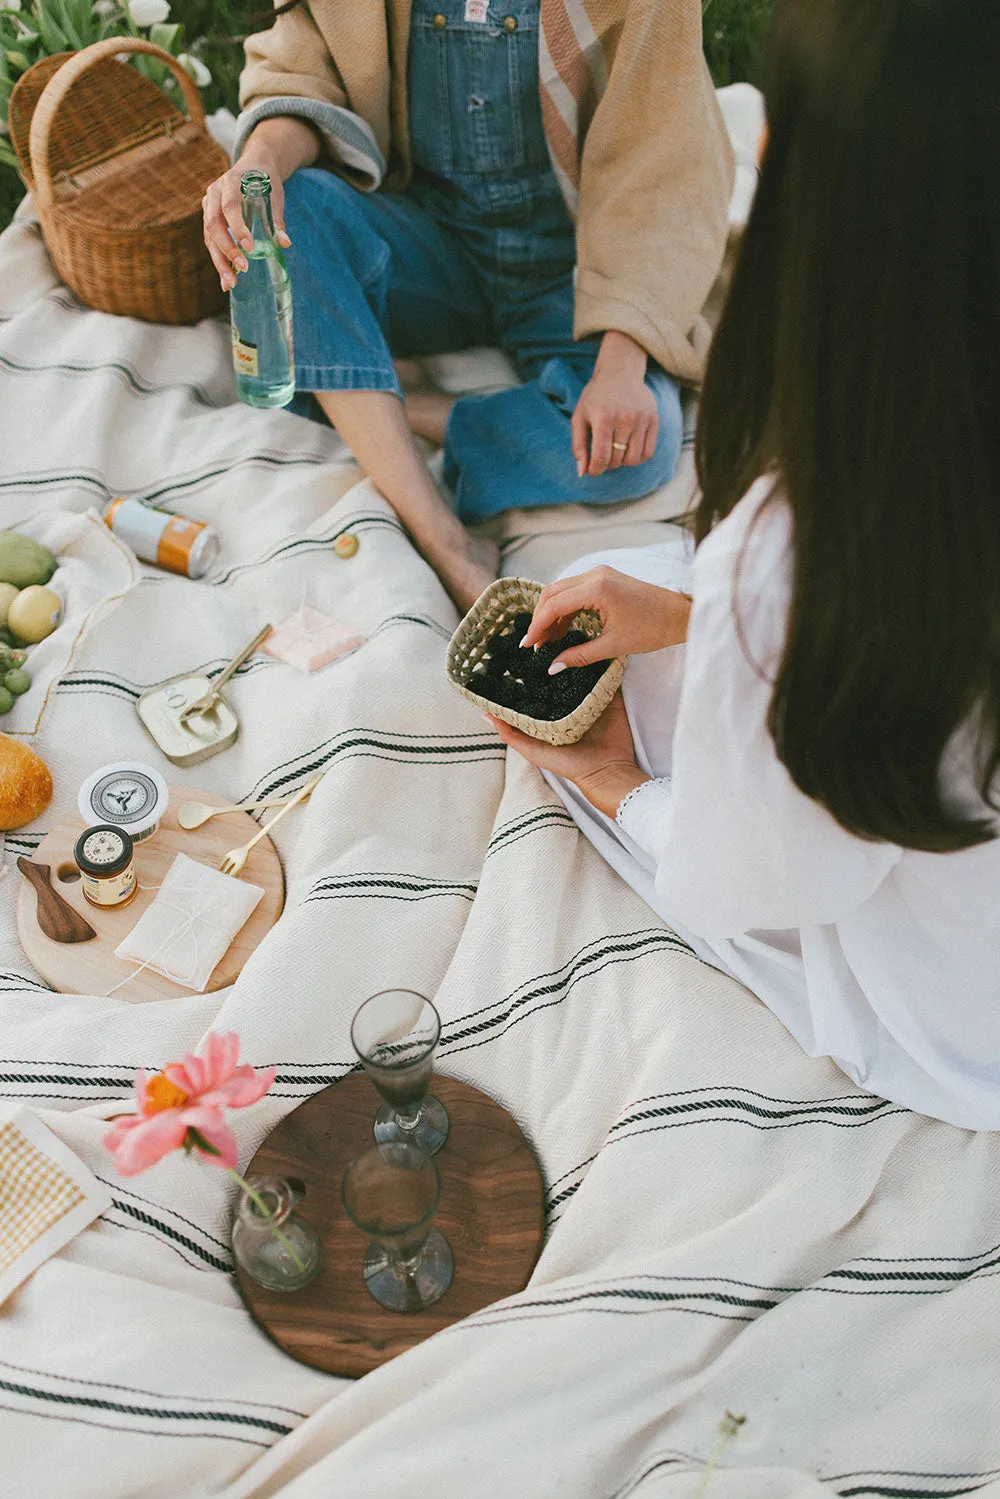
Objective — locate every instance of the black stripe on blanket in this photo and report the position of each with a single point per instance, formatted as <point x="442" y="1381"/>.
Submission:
<point x="539" y="819"/>
<point x="60" y="479"/>
<point x="757" y="1108"/>
<point x="896" y="1492"/>
<point x="127" y="375"/>
<point x="378" y="744"/>
<point x="899" y="1483"/>
<point x="23" y="840"/>
<point x="103" y="1384"/>
<point x="376" y="885"/>
<point x="139" y="1221"/>
<point x="877" y="1483"/>
<point x="110" y="683"/>
<point x="553" y="988"/>
<point x="711" y="1297"/>
<point x="82" y="1406"/>
<point x="727" y="1104"/>
<point x="10" y="983"/>
<point x="291" y="546"/>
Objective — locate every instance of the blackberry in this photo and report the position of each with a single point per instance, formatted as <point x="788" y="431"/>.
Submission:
<point x="519" y="679"/>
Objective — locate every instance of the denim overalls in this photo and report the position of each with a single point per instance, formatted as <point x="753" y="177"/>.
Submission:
<point x="478" y="250"/>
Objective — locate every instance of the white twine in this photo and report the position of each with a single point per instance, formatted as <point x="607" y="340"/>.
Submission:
<point x="185" y="929"/>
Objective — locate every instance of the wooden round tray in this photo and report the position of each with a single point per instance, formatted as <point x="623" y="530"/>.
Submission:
<point x="91" y="967"/>
<point x="490" y="1212"/>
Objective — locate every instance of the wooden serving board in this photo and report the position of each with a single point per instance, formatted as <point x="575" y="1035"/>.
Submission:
<point x="490" y="1212"/>
<point x="91" y="967"/>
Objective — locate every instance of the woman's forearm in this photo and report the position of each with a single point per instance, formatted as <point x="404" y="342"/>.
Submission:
<point x="282" y="144"/>
<point x="607" y="788"/>
<point x="622" y="353"/>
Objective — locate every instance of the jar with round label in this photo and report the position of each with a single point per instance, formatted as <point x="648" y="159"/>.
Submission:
<point x="104" y="859"/>
<point x="127" y="795"/>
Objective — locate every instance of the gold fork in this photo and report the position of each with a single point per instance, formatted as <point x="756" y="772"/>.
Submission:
<point x="235" y="860"/>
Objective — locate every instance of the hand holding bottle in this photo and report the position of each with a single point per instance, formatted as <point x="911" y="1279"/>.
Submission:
<point x="277" y="147"/>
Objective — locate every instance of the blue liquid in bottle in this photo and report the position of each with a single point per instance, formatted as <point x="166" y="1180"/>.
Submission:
<point x="260" y="307"/>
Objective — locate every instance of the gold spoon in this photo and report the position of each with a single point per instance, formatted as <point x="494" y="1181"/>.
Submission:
<point x="235" y="861"/>
<point x="194" y="814"/>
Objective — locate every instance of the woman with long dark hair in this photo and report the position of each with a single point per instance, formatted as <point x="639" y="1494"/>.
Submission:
<point x="549" y="176"/>
<point x="810" y="797"/>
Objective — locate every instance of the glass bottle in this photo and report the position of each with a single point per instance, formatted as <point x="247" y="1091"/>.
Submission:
<point x="276" y="1249"/>
<point x="260" y="306"/>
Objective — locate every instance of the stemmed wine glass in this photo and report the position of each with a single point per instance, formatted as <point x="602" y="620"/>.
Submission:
<point x="391" y="1192"/>
<point x="395" y="1034"/>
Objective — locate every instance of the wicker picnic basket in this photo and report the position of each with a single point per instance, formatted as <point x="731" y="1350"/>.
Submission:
<point x="117" y="175"/>
<point x="492" y="612"/>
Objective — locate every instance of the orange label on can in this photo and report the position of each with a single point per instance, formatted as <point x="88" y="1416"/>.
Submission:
<point x="174" y="547"/>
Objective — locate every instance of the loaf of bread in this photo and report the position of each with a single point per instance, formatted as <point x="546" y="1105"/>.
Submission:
<point x="25" y="784"/>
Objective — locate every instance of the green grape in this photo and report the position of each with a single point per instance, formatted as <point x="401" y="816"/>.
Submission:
<point x="6" y="700"/>
<point x="17" y="681"/>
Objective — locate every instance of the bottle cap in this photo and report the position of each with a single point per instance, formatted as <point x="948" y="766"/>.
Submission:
<point x="103" y="851"/>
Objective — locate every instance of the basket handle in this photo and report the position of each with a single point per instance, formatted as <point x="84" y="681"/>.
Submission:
<point x="62" y="81"/>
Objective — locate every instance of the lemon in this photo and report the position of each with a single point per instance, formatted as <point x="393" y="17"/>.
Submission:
<point x="34" y="614"/>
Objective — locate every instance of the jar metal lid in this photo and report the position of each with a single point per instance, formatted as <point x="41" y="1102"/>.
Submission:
<point x="103" y="851"/>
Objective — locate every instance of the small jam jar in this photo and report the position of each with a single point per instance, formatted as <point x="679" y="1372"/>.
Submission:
<point x="104" y="857"/>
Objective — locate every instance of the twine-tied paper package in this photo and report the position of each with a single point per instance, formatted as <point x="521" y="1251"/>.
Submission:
<point x="191" y="923"/>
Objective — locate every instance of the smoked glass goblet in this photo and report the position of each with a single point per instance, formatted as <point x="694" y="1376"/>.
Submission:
<point x="390" y="1192"/>
<point x="395" y="1034"/>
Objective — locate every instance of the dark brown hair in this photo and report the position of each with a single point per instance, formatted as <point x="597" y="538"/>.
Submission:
<point x="858" y="358"/>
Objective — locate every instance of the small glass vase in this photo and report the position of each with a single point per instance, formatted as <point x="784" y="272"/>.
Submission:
<point x="275" y="1248"/>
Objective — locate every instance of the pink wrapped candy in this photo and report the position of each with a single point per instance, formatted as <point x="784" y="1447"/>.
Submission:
<point x="308" y="640"/>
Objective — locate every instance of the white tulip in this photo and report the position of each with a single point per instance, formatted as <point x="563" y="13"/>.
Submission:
<point x="10" y="4"/>
<point x="222" y="128"/>
<point x="196" y="68"/>
<point x="148" y="12"/>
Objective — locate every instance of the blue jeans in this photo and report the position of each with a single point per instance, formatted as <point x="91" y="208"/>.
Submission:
<point x="412" y="274"/>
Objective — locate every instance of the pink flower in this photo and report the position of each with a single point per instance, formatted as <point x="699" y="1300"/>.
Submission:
<point x="184" y="1106"/>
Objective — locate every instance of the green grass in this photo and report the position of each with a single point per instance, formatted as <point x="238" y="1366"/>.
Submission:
<point x="734" y="32"/>
<point x="213" y="29"/>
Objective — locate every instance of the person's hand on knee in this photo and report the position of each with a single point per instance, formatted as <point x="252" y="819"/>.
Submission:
<point x="616" y="421"/>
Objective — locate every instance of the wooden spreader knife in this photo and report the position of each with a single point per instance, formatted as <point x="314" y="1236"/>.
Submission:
<point x="56" y="917"/>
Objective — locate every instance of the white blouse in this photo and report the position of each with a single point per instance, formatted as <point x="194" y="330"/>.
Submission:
<point x="885" y="959"/>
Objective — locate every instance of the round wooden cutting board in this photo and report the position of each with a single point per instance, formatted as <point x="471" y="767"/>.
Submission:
<point x="491" y="1213"/>
<point x="91" y="967"/>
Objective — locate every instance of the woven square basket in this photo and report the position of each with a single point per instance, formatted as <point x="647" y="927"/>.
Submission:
<point x="490" y="614"/>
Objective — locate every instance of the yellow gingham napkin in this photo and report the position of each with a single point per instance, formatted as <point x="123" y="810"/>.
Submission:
<point x="47" y="1195"/>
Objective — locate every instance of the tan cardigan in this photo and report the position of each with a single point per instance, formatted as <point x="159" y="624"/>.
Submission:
<point x="632" y="124"/>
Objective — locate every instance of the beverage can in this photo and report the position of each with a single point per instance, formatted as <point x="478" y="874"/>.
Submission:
<point x="173" y="542"/>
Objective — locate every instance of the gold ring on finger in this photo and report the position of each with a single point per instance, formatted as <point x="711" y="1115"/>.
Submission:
<point x="620" y="447"/>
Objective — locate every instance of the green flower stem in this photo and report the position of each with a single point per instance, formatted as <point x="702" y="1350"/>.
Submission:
<point x="265" y="1212"/>
<point x="728" y="1428"/>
